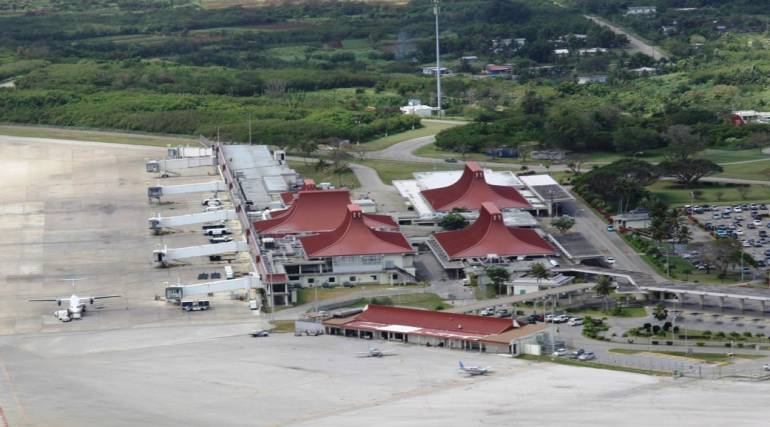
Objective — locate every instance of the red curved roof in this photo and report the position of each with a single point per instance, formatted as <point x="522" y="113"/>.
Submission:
<point x="355" y="237"/>
<point x="489" y="235"/>
<point x="471" y="190"/>
<point x="435" y="320"/>
<point x="315" y="211"/>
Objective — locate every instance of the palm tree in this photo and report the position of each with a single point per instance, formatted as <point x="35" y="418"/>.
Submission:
<point x="660" y="312"/>
<point x="604" y="288"/>
<point x="539" y="271"/>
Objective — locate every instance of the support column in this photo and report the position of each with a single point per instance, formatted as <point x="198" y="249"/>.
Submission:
<point x="701" y="298"/>
<point x="721" y="303"/>
<point x="741" y="304"/>
<point x="762" y="306"/>
<point x="569" y="298"/>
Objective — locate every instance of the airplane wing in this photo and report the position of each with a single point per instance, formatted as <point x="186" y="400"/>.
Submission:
<point x="101" y="297"/>
<point x="49" y="300"/>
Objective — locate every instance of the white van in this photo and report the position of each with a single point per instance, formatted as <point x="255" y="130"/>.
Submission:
<point x="229" y="273"/>
<point x="553" y="262"/>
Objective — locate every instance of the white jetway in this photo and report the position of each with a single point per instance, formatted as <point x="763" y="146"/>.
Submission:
<point x="158" y="222"/>
<point x="168" y="167"/>
<point x="179" y="292"/>
<point x="162" y="257"/>
<point x="158" y="191"/>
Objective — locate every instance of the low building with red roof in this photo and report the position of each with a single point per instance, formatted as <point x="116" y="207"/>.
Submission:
<point x="471" y="190"/>
<point x="315" y="211"/>
<point x="357" y="250"/>
<point x="437" y="329"/>
<point x="488" y="239"/>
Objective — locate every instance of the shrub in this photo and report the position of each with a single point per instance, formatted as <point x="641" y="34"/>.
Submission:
<point x="727" y="344"/>
<point x="669" y="343"/>
<point x="706" y="333"/>
<point x="759" y="335"/>
<point x="747" y="334"/>
<point x="740" y="345"/>
<point x="700" y="343"/>
<point x="654" y="342"/>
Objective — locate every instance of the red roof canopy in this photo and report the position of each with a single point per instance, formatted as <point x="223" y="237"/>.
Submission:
<point x="355" y="237"/>
<point x="434" y="320"/>
<point x="490" y="235"/>
<point x="315" y="211"/>
<point x="471" y="190"/>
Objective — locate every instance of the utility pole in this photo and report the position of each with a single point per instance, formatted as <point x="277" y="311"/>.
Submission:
<point x="438" y="60"/>
<point x="249" y="128"/>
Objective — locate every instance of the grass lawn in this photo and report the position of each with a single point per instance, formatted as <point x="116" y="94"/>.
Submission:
<point x="428" y="128"/>
<point x="307" y="295"/>
<point x="598" y="314"/>
<point x="308" y="170"/>
<point x="427" y="301"/>
<point x="390" y="170"/>
<point x="703" y="357"/>
<point x="431" y="150"/>
<point x="759" y="171"/>
<point x="589" y="364"/>
<point x="678" y="195"/>
<point x="95" y="136"/>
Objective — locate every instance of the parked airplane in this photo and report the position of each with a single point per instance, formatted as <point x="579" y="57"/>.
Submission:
<point x="77" y="305"/>
<point x="375" y="352"/>
<point x="474" y="370"/>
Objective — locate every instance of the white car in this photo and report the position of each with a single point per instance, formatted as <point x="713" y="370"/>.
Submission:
<point x="214" y="208"/>
<point x="737" y="209"/>
<point x="766" y="367"/>
<point x="211" y="202"/>
<point x="560" y="352"/>
<point x="575" y="321"/>
<point x="587" y="356"/>
<point x="610" y="260"/>
<point x="757" y="222"/>
<point x="728" y="209"/>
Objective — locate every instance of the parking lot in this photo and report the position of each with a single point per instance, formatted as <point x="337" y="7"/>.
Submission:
<point x="72" y="209"/>
<point x="747" y="223"/>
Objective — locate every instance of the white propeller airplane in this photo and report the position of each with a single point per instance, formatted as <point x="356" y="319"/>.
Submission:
<point x="474" y="370"/>
<point x="375" y="352"/>
<point x="77" y="305"/>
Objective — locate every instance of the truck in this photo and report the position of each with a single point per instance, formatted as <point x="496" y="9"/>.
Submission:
<point x="195" y="305"/>
<point x="229" y="273"/>
<point x="219" y="231"/>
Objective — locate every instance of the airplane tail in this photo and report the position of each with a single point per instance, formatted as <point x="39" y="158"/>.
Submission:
<point x="461" y="365"/>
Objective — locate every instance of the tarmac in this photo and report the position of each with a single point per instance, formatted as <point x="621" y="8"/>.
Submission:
<point x="80" y="209"/>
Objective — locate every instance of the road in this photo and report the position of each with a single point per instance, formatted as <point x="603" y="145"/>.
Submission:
<point x="636" y="44"/>
<point x="590" y="225"/>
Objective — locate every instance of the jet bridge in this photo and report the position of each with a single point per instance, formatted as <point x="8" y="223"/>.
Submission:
<point x="158" y="222"/>
<point x="158" y="191"/>
<point x="179" y="292"/>
<point x="168" y="167"/>
<point x="164" y="256"/>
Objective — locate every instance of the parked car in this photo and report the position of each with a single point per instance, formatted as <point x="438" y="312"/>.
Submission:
<point x="610" y="260"/>
<point x="575" y="321"/>
<point x="560" y="352"/>
<point x="563" y="318"/>
<point x="587" y="356"/>
<point x="451" y="160"/>
<point x="610" y="228"/>
<point x="260" y="333"/>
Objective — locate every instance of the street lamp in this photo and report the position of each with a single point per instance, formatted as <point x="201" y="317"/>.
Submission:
<point x="438" y="60"/>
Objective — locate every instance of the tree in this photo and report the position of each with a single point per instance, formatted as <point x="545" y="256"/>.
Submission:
<point x="563" y="223"/>
<point x="305" y="146"/>
<point x="532" y="103"/>
<point x="722" y="253"/>
<point x="453" y="221"/>
<point x="538" y="271"/>
<point x="634" y="139"/>
<point x="498" y="276"/>
<point x="603" y="289"/>
<point x="660" y="313"/>
<point x="683" y="143"/>
<point x="688" y="171"/>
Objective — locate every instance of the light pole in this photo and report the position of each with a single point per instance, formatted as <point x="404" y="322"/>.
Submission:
<point x="438" y="60"/>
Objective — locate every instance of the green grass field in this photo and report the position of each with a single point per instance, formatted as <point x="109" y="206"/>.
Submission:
<point x="589" y="364"/>
<point x="759" y="171"/>
<point x="677" y="195"/>
<point x="428" y="128"/>
<point x="308" y="170"/>
<point x="308" y="295"/>
<point x="428" y="301"/>
<point x="95" y="136"/>
<point x="703" y="357"/>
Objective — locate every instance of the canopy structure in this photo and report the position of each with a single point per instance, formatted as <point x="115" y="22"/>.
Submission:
<point x="355" y="237"/>
<point x="316" y="211"/>
<point x="490" y="236"/>
<point x="471" y="190"/>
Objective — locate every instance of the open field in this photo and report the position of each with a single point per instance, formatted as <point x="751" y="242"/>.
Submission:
<point x="308" y="170"/>
<point x="206" y="375"/>
<point x="756" y="171"/>
<point x="703" y="357"/>
<point x="95" y="135"/>
<point x="678" y="195"/>
<point x="307" y="295"/>
<point x="428" y="128"/>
